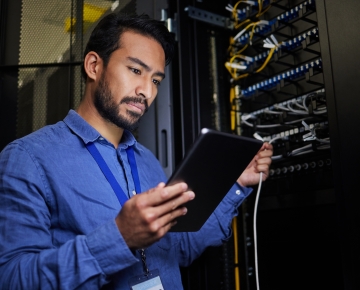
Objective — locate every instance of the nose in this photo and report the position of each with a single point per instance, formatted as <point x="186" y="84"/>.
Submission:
<point x="145" y="89"/>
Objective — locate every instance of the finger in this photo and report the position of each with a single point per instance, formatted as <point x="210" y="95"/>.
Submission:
<point x="265" y="160"/>
<point x="265" y="153"/>
<point x="168" y="220"/>
<point x="161" y="185"/>
<point x="161" y="194"/>
<point x="262" y="154"/>
<point x="174" y="203"/>
<point x="267" y="146"/>
<point x="262" y="168"/>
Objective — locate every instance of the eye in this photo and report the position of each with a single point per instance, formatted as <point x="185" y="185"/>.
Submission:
<point x="135" y="70"/>
<point x="156" y="82"/>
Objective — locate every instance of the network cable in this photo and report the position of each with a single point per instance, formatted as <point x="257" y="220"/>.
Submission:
<point x="257" y="136"/>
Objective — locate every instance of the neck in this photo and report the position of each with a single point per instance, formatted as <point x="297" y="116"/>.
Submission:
<point x="108" y="130"/>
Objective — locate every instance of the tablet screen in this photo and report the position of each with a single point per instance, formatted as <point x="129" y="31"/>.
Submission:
<point x="210" y="168"/>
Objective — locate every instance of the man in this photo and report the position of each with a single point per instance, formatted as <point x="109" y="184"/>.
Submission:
<point x="64" y="220"/>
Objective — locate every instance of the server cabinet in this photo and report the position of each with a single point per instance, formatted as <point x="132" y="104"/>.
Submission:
<point x="285" y="70"/>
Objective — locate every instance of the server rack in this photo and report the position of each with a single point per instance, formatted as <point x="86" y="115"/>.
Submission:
<point x="300" y="93"/>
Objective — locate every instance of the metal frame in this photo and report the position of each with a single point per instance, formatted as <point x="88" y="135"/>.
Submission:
<point x="338" y="28"/>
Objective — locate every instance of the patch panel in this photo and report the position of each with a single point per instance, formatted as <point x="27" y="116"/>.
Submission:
<point x="298" y="167"/>
<point x="281" y="20"/>
<point x="291" y="74"/>
<point x="301" y="100"/>
<point x="287" y="44"/>
<point x="245" y="12"/>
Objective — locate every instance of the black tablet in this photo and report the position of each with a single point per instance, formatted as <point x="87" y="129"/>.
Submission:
<point x="210" y="168"/>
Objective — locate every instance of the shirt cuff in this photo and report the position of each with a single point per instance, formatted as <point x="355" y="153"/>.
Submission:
<point x="109" y="248"/>
<point x="237" y="194"/>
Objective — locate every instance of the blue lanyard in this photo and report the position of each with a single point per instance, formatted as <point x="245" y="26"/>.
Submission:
<point x="120" y="194"/>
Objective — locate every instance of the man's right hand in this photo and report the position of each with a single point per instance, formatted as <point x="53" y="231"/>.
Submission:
<point x="147" y="217"/>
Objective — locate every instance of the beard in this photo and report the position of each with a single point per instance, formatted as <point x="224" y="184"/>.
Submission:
<point x="109" y="110"/>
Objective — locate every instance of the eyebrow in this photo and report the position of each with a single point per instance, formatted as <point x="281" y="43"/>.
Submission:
<point x="145" y="66"/>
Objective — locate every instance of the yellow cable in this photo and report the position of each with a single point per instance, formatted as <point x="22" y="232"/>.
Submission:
<point x="232" y="70"/>
<point x="254" y="24"/>
<point x="271" y="52"/>
<point x="232" y="112"/>
<point x="241" y="76"/>
<point x="241" y="50"/>
<point x="231" y="42"/>
<point x="236" y="253"/>
<point x="237" y="26"/>
<point x="252" y="31"/>
<point x="260" y="13"/>
<point x="265" y="10"/>
<point x="260" y="8"/>
<point x="234" y="12"/>
<point x="234" y="221"/>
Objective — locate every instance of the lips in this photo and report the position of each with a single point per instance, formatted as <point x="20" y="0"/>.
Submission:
<point x="137" y="105"/>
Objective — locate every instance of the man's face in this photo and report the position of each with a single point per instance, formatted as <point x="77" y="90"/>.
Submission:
<point x="129" y="83"/>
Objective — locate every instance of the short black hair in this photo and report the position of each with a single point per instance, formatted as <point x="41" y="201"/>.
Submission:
<point x="105" y="38"/>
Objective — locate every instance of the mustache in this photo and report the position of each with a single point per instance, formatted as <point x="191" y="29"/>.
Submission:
<point x="135" y="100"/>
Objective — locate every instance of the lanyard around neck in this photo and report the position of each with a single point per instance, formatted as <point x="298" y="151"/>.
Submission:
<point x="120" y="194"/>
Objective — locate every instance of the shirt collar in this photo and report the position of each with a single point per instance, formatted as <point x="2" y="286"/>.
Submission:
<point x="89" y="134"/>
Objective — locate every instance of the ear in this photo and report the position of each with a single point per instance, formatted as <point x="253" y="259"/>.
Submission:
<point x="93" y="65"/>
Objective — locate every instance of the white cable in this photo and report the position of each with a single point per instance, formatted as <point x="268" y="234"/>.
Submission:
<point x="300" y="112"/>
<point x="300" y="106"/>
<point x="261" y="22"/>
<point x="318" y="112"/>
<point x="273" y="112"/>
<point x="239" y="34"/>
<point x="326" y="140"/>
<point x="277" y="157"/>
<point x="268" y="45"/>
<point x="274" y="40"/>
<point x="261" y="126"/>
<point x="255" y="234"/>
<point x="280" y="107"/>
<point x="276" y="138"/>
<point x="298" y="151"/>
<point x="257" y="136"/>
<point x="311" y="151"/>
<point x="252" y="3"/>
<point x="299" y="120"/>
<point x="267" y="40"/>
<point x="236" y="65"/>
<point x="295" y="151"/>
<point x="244" y="119"/>
<point x="323" y="111"/>
<point x="304" y="103"/>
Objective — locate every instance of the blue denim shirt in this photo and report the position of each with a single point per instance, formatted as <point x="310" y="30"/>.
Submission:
<point x="57" y="214"/>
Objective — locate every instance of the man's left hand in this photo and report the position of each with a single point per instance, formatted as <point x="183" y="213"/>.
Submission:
<point x="260" y="163"/>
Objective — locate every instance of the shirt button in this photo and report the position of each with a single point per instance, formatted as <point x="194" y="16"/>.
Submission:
<point x="101" y="138"/>
<point x="237" y="192"/>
